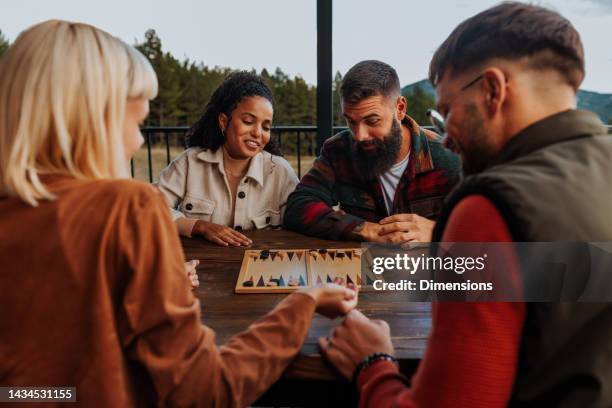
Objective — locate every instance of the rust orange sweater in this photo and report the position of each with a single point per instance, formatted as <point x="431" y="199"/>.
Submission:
<point x="94" y="295"/>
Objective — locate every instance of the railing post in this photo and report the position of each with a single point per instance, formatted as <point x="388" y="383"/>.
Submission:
<point x="324" y="72"/>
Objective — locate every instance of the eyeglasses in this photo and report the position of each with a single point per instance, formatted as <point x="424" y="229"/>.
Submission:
<point x="439" y="122"/>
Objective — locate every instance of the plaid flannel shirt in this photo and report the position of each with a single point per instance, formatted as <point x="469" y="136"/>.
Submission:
<point x="334" y="179"/>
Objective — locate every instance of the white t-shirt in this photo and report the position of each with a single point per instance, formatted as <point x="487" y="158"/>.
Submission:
<point x="390" y="179"/>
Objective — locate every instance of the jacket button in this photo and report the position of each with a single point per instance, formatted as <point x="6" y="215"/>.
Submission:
<point x="189" y="207"/>
<point x="268" y="220"/>
<point x="241" y="194"/>
<point x="238" y="228"/>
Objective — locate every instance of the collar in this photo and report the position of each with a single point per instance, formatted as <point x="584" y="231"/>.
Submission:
<point x="255" y="171"/>
<point x="557" y="128"/>
<point x="420" y="152"/>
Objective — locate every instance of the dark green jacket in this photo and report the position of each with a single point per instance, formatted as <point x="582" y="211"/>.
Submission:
<point x="553" y="182"/>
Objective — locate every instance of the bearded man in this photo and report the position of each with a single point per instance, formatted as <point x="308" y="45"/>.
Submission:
<point x="382" y="180"/>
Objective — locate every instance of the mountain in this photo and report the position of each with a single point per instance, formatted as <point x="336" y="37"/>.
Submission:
<point x="596" y="102"/>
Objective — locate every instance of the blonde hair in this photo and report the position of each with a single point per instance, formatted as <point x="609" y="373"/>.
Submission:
<point x="63" y="93"/>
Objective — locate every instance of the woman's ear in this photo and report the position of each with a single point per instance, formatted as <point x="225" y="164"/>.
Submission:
<point x="222" y="122"/>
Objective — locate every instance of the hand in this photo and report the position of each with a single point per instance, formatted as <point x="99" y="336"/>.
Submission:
<point x="192" y="274"/>
<point x="355" y="339"/>
<point x="402" y="228"/>
<point x="370" y="232"/>
<point x="333" y="300"/>
<point x="220" y="234"/>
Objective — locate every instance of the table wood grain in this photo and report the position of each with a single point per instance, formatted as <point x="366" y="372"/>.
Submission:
<point x="229" y="313"/>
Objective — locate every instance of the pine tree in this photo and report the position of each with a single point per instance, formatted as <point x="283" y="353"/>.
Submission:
<point x="4" y="43"/>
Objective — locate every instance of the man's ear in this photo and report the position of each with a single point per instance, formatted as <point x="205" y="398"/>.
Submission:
<point x="222" y="122"/>
<point x="494" y="82"/>
<point x="400" y="108"/>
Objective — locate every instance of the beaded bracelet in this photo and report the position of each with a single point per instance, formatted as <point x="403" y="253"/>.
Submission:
<point x="371" y="359"/>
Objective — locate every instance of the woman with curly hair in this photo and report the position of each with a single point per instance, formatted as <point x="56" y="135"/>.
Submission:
<point x="231" y="177"/>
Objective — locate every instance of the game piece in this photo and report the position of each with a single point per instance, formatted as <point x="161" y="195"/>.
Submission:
<point x="286" y="270"/>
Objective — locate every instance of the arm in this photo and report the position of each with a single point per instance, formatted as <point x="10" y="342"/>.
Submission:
<point x="472" y="351"/>
<point x="172" y="182"/>
<point x="309" y="207"/>
<point x="160" y="330"/>
<point x="290" y="181"/>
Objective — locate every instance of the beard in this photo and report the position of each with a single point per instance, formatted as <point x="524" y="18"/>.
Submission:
<point x="376" y="156"/>
<point x="475" y="147"/>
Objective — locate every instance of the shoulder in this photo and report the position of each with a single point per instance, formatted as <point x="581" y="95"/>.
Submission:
<point x="338" y="143"/>
<point x="120" y="192"/>
<point x="442" y="157"/>
<point x="189" y="155"/>
<point x="277" y="165"/>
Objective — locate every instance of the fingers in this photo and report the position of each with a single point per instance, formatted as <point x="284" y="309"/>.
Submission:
<point x="354" y="315"/>
<point x="401" y="237"/>
<point x="228" y="236"/>
<point x="217" y="240"/>
<point x="243" y="237"/>
<point x="397" y="217"/>
<point x="399" y="226"/>
<point x="336" y="357"/>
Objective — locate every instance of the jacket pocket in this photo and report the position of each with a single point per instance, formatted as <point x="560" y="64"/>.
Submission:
<point x="200" y="208"/>
<point x="268" y="218"/>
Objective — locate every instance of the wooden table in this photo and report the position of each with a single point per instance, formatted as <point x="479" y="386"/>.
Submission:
<point x="309" y="380"/>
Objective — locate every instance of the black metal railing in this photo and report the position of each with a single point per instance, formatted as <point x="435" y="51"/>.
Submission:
<point x="294" y="141"/>
<point x="298" y="141"/>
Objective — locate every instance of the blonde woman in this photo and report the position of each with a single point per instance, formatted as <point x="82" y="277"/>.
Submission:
<point x="232" y="177"/>
<point x="94" y="293"/>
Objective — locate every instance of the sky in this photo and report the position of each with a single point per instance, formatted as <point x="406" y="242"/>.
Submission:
<point x="245" y="34"/>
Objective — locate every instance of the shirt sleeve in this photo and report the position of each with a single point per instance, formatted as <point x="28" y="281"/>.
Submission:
<point x="309" y="207"/>
<point x="472" y="351"/>
<point x="160" y="330"/>
<point x="290" y="180"/>
<point x="172" y="183"/>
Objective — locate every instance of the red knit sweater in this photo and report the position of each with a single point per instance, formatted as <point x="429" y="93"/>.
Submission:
<point x="472" y="351"/>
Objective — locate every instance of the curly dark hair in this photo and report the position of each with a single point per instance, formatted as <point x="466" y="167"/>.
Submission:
<point x="237" y="86"/>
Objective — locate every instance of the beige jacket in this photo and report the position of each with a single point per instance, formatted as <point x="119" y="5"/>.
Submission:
<point x="196" y="188"/>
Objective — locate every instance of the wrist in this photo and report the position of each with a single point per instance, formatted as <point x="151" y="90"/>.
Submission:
<point x="370" y="360"/>
<point x="313" y="292"/>
<point x="199" y="227"/>
<point x="361" y="230"/>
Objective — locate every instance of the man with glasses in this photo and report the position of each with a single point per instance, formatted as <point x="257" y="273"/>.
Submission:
<point x="538" y="170"/>
<point x="388" y="175"/>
